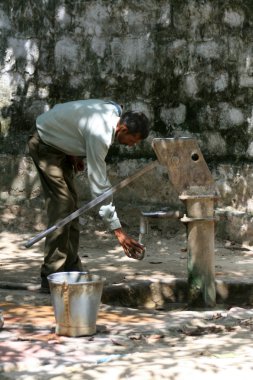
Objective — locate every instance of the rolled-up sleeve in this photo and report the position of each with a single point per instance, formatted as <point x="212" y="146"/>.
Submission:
<point x="96" y="152"/>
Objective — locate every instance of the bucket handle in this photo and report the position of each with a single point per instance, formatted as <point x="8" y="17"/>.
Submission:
<point x="65" y="290"/>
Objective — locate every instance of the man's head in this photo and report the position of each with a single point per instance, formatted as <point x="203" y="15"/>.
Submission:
<point x="132" y="128"/>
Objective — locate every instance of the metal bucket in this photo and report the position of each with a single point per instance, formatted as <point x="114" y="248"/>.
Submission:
<point x="76" y="298"/>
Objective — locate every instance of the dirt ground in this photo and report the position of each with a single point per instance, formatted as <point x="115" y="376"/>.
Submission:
<point x="165" y="259"/>
<point x="130" y="343"/>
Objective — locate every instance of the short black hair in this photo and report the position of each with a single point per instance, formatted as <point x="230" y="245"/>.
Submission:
<point x="136" y="122"/>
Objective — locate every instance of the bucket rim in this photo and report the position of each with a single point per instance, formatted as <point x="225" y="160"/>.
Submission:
<point x="95" y="278"/>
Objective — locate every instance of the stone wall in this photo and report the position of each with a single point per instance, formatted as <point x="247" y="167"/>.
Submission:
<point x="187" y="64"/>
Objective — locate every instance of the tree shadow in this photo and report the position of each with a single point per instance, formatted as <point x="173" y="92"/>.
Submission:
<point x="128" y="343"/>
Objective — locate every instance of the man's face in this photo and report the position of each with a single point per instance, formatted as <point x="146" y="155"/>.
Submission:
<point x="126" y="138"/>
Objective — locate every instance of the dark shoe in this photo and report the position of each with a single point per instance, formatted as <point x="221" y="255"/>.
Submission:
<point x="44" y="289"/>
<point x="44" y="286"/>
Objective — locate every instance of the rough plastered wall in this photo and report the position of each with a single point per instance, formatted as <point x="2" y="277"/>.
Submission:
<point x="187" y="64"/>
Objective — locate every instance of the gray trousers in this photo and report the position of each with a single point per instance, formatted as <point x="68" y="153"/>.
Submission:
<point x="57" y="180"/>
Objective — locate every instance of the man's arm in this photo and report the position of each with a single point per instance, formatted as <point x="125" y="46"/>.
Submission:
<point x="99" y="183"/>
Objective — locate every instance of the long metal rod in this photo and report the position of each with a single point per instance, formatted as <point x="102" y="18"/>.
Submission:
<point x="91" y="204"/>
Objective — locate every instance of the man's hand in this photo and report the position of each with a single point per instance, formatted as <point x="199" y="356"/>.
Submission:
<point x="77" y="163"/>
<point x="131" y="247"/>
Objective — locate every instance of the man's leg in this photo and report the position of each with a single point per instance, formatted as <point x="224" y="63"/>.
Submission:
<point x="56" y="175"/>
<point x="73" y="262"/>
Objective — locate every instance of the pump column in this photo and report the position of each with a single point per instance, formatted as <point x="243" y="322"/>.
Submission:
<point x="200" y="247"/>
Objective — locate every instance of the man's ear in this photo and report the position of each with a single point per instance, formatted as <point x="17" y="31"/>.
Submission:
<point x="122" y="128"/>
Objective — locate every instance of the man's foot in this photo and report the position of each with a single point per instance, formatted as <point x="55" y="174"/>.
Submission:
<point x="44" y="286"/>
<point x="44" y="290"/>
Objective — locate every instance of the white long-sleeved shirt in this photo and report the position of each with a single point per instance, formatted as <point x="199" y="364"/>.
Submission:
<point x="84" y="128"/>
